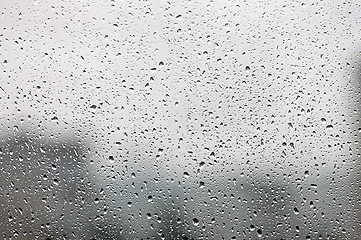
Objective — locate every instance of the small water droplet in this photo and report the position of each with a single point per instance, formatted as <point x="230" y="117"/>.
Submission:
<point x="195" y="222"/>
<point x="252" y="228"/>
<point x="295" y="210"/>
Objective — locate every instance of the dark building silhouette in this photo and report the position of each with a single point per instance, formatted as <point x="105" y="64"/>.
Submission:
<point x="40" y="186"/>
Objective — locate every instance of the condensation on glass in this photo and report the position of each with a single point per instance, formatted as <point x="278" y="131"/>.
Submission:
<point x="180" y="119"/>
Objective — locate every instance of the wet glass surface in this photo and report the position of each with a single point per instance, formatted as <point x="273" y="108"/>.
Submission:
<point x="180" y="119"/>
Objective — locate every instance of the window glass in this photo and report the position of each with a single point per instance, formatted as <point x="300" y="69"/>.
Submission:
<point x="180" y="119"/>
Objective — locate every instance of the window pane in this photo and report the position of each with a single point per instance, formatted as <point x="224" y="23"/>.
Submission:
<point x="180" y="119"/>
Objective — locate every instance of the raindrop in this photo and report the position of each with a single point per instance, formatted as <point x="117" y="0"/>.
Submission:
<point x="195" y="222"/>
